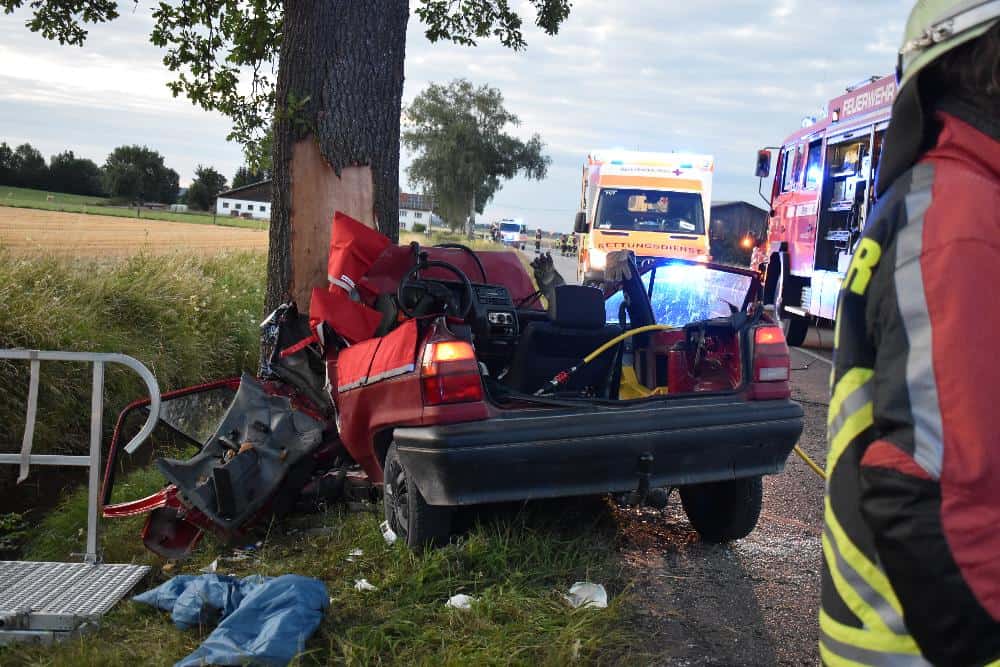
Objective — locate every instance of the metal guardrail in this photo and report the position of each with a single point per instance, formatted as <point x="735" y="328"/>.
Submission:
<point x="93" y="460"/>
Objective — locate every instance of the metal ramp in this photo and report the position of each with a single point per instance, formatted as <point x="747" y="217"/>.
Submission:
<point x="45" y="602"/>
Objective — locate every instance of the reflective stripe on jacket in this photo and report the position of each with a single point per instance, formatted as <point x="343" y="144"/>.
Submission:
<point x="911" y="544"/>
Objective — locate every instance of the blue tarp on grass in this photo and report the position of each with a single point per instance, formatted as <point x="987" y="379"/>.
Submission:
<point x="264" y="621"/>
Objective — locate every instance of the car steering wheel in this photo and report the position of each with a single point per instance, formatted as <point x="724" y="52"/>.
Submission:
<point x="469" y="251"/>
<point x="434" y="289"/>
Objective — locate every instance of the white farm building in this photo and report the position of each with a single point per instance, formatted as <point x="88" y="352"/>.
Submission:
<point x="250" y="201"/>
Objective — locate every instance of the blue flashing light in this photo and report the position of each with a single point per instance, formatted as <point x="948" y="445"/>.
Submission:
<point x="813" y="174"/>
<point x="680" y="273"/>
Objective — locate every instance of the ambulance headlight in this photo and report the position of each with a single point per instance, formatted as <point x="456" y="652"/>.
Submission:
<point x="598" y="259"/>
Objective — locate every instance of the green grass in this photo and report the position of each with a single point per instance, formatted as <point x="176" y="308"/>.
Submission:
<point x="192" y="320"/>
<point x="38" y="199"/>
<point x="188" y="319"/>
<point x="12" y="196"/>
<point x="517" y="566"/>
<point x="448" y="237"/>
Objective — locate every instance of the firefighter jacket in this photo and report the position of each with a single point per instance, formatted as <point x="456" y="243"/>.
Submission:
<point x="911" y="542"/>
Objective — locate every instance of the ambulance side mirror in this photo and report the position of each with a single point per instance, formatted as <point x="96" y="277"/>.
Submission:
<point x="763" y="164"/>
<point x="580" y="224"/>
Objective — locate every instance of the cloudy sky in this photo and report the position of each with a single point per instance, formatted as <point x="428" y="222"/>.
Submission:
<point x="715" y="77"/>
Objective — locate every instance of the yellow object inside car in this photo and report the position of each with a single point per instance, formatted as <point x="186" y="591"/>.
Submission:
<point x="630" y="388"/>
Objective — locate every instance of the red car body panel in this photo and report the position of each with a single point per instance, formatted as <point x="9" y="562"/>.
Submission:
<point x="502" y="267"/>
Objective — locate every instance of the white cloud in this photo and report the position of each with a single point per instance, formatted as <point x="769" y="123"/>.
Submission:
<point x="718" y="76"/>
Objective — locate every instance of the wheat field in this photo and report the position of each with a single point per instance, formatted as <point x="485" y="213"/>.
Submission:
<point x="28" y="231"/>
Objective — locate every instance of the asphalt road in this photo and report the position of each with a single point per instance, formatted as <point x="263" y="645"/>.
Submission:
<point x="751" y="602"/>
<point x="566" y="266"/>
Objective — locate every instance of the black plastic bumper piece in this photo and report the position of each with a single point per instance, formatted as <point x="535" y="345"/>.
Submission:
<point x="550" y="453"/>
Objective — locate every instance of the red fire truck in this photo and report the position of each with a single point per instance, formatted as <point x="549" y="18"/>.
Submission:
<point x="824" y="188"/>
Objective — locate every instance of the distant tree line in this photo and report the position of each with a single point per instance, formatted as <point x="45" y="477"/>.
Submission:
<point x="132" y="174"/>
<point x="25" y="167"/>
<point x="135" y="174"/>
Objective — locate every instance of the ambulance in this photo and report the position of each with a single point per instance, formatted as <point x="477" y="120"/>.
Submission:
<point x="654" y="204"/>
<point x="513" y="232"/>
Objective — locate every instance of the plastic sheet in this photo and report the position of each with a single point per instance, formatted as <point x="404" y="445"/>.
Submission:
<point x="586" y="594"/>
<point x="264" y="621"/>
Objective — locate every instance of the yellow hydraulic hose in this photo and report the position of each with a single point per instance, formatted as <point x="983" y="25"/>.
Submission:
<point x="561" y="377"/>
<point x="809" y="462"/>
<point x="662" y="327"/>
<point x="617" y="339"/>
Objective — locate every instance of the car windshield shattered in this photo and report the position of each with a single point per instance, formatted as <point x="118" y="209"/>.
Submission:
<point x="684" y="293"/>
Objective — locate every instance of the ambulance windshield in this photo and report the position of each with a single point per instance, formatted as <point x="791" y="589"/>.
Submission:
<point x="650" y="211"/>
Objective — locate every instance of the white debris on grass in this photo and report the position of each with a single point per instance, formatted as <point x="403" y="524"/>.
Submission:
<point x="211" y="567"/>
<point x="388" y="533"/>
<point x="364" y="585"/>
<point x="586" y="594"/>
<point x="460" y="601"/>
<point x="354" y="553"/>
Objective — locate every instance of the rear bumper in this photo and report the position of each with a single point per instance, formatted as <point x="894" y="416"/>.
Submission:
<point x="593" y="450"/>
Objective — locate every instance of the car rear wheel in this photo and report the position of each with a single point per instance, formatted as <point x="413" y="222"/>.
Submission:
<point x="408" y="514"/>
<point x="723" y="511"/>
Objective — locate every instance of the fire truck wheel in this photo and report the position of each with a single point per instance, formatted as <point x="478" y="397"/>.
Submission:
<point x="795" y="329"/>
<point x="408" y="514"/>
<point x="723" y="511"/>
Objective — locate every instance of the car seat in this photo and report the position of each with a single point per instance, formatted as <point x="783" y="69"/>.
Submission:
<point x="577" y="328"/>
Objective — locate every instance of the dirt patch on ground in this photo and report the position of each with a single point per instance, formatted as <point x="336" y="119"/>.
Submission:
<point x="28" y="231"/>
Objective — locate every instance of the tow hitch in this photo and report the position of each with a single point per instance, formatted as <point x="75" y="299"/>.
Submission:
<point x="643" y="494"/>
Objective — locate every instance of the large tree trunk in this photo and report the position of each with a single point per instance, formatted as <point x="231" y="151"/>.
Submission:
<point x="336" y="133"/>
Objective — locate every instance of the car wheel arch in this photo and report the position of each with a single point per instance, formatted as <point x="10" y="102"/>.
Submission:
<point x="381" y="441"/>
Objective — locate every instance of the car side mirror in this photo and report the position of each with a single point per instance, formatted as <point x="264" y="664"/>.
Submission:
<point x="580" y="224"/>
<point x="763" y="163"/>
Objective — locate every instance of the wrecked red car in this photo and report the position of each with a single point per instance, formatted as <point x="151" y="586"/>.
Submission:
<point x="437" y="379"/>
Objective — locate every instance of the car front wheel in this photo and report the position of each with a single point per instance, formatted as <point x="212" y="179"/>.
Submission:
<point x="408" y="514"/>
<point x="723" y="511"/>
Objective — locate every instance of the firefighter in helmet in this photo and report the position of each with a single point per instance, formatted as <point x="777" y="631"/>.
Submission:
<point x="911" y="545"/>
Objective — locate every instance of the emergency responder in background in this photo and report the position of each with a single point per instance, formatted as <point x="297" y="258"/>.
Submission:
<point x="538" y="240"/>
<point x="912" y="538"/>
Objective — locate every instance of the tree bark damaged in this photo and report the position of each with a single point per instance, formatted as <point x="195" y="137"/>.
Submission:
<point x="318" y="193"/>
<point x="336" y="133"/>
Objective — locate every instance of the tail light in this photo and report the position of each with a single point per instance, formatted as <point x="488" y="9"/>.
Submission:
<point x="450" y="373"/>
<point x="771" y="365"/>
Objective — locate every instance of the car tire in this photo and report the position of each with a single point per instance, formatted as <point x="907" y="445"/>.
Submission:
<point x="723" y="511"/>
<point x="408" y="514"/>
<point x="795" y="329"/>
